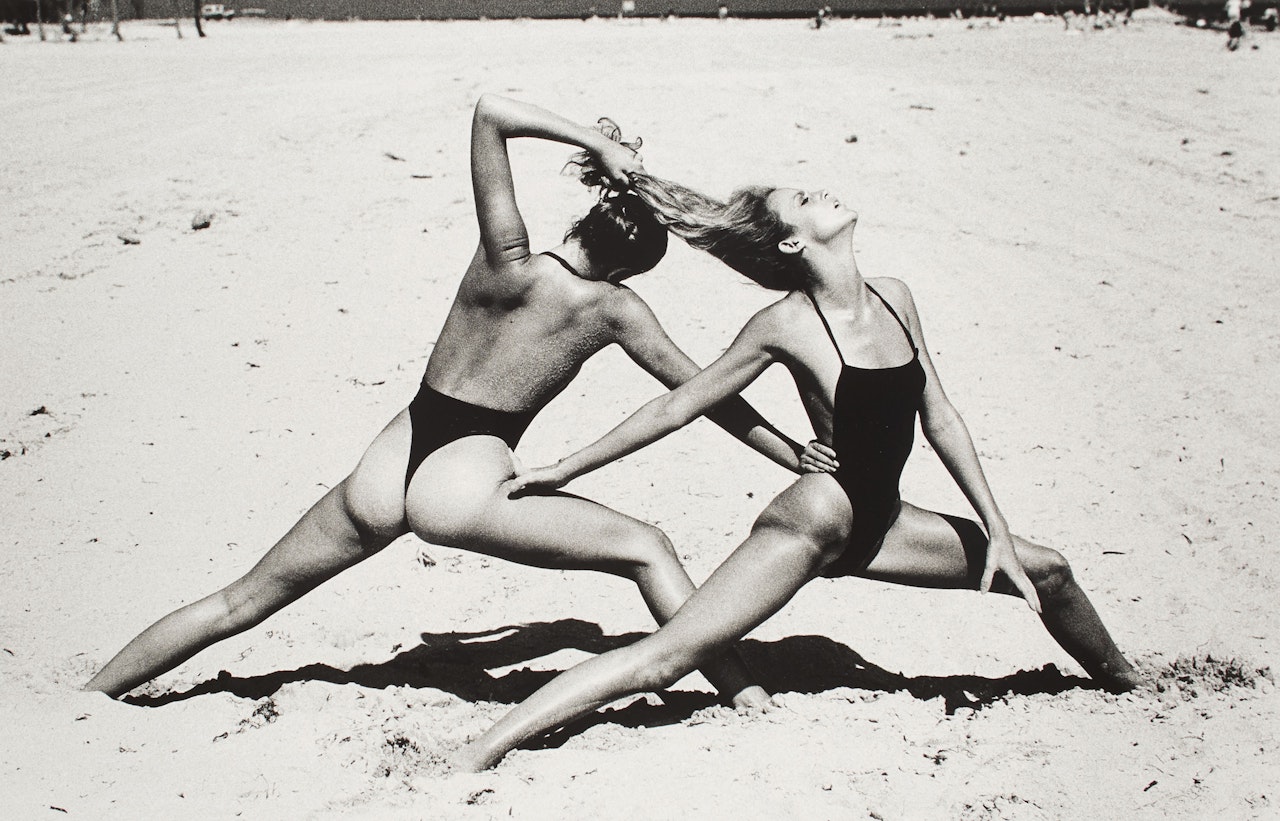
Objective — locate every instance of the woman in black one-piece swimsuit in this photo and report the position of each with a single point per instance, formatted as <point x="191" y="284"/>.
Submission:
<point x="519" y="329"/>
<point x="857" y="354"/>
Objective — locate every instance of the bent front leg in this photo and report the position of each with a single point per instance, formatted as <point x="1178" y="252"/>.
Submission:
<point x="1071" y="619"/>
<point x="927" y="549"/>
<point x="783" y="552"/>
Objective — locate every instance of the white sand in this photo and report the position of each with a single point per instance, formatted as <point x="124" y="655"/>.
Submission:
<point x="1089" y="223"/>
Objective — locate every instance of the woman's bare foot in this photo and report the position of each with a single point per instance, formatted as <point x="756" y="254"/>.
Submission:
<point x="754" y="697"/>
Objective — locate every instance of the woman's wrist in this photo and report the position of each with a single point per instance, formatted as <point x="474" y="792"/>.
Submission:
<point x="564" y="470"/>
<point x="595" y="142"/>
<point x="996" y="526"/>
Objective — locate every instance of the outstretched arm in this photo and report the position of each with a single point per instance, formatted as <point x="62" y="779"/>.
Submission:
<point x="745" y="359"/>
<point x="497" y="119"/>
<point x="643" y="338"/>
<point x="946" y="431"/>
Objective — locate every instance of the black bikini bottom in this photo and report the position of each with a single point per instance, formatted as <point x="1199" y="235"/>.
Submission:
<point x="437" y="420"/>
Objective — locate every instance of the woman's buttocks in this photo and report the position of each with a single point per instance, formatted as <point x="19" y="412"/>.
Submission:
<point x="455" y="485"/>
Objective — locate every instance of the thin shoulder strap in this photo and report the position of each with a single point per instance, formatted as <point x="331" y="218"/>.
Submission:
<point x="566" y="265"/>
<point x="895" y="316"/>
<point x="832" y="336"/>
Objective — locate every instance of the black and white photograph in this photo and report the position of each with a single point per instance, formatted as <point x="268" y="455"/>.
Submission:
<point x="642" y="409"/>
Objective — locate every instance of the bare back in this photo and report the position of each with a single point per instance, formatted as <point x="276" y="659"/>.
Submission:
<point x="516" y="337"/>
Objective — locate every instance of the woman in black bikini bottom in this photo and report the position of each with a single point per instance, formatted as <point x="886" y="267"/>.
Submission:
<point x="520" y="327"/>
<point x="437" y="419"/>
<point x="851" y="522"/>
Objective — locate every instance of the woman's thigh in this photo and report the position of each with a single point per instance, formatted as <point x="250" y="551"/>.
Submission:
<point x="355" y="519"/>
<point x="373" y="495"/>
<point x="927" y="549"/>
<point x="457" y="499"/>
<point x="800" y="531"/>
<point x="938" y="550"/>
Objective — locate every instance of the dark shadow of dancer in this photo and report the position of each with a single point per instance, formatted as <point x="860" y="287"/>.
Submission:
<point x="459" y="662"/>
<point x="816" y="664"/>
<point x="455" y="662"/>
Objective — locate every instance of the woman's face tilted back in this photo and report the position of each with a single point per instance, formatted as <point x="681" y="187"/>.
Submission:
<point x="815" y="217"/>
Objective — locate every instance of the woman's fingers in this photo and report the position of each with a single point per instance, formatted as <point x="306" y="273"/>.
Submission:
<point x="1026" y="588"/>
<point x="825" y="450"/>
<point x="620" y="163"/>
<point x="818" y="458"/>
<point x="544" y="478"/>
<point x="1002" y="557"/>
<point x="988" y="574"/>
<point x="514" y="487"/>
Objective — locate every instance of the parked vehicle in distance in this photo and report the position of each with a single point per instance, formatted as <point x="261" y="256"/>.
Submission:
<point x="216" y="11"/>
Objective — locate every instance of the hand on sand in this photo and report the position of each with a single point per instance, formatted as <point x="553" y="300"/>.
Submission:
<point x="1002" y="557"/>
<point x="526" y="482"/>
<point x="818" y="458"/>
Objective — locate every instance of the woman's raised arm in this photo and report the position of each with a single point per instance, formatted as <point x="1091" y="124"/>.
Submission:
<point x="497" y="119"/>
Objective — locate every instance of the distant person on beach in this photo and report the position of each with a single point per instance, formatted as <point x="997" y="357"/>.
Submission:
<point x="519" y="330"/>
<point x="1235" y="26"/>
<point x="856" y="350"/>
<point x="723" y="12"/>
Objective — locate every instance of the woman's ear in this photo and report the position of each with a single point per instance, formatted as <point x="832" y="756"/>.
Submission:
<point x="791" y="245"/>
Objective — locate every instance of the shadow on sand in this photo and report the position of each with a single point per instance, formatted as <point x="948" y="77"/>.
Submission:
<point x="458" y="663"/>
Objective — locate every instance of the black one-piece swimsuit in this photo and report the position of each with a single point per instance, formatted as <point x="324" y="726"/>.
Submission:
<point x="437" y="419"/>
<point x="873" y="423"/>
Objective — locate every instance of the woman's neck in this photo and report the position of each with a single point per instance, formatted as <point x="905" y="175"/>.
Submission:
<point x="834" y="278"/>
<point x="571" y="252"/>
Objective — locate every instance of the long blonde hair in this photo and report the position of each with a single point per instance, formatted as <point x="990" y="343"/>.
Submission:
<point x="743" y="233"/>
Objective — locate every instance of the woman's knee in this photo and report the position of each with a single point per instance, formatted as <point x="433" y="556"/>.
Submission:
<point x="811" y="511"/>
<point x="659" y="668"/>
<point x="642" y="547"/>
<point x="1048" y="569"/>
<point x="812" y="535"/>
<point x="247" y="602"/>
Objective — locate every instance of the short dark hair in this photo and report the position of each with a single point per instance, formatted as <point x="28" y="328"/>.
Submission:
<point x="620" y="233"/>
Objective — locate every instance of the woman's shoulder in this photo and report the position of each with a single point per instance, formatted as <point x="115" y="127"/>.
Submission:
<point x="891" y="288"/>
<point x="787" y="305"/>
<point x="897" y="292"/>
<point x="778" y="319"/>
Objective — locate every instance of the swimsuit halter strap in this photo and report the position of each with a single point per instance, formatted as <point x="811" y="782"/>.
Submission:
<point x="832" y="336"/>
<point x="902" y="324"/>
<point x="566" y="265"/>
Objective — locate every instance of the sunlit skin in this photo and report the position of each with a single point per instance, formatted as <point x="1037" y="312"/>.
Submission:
<point x="806" y="527"/>
<point x="518" y="331"/>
